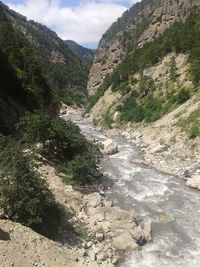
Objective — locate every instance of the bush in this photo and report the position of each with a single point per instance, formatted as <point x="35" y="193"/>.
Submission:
<point x="182" y="96"/>
<point x="24" y="196"/>
<point x="81" y="170"/>
<point x="106" y="120"/>
<point x="194" y="131"/>
<point x="62" y="142"/>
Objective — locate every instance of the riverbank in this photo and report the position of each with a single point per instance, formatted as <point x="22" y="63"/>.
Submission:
<point x="166" y="146"/>
<point x="99" y="233"/>
<point x="166" y="201"/>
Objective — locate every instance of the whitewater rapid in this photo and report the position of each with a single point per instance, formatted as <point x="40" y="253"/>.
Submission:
<point x="173" y="208"/>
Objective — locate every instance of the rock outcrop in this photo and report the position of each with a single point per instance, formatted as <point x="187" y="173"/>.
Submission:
<point x="142" y="23"/>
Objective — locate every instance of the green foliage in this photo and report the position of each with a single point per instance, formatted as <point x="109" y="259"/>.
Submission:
<point x="31" y="84"/>
<point x="194" y="131"/>
<point x="81" y="170"/>
<point x="70" y="99"/>
<point x="130" y="110"/>
<point x="191" y="125"/>
<point x="92" y="100"/>
<point x="24" y="196"/>
<point x="152" y="109"/>
<point x="182" y="96"/>
<point x="61" y="67"/>
<point x="106" y="120"/>
<point x="62" y="142"/>
<point x="179" y="38"/>
<point x="173" y="73"/>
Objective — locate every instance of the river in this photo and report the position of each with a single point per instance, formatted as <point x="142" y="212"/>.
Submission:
<point x="173" y="208"/>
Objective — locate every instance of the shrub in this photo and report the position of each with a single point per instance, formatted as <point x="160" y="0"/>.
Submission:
<point x="182" y="96"/>
<point x="106" y="120"/>
<point x="62" y="142"/>
<point x="194" y="131"/>
<point x="24" y="196"/>
<point x="60" y="139"/>
<point x="81" y="170"/>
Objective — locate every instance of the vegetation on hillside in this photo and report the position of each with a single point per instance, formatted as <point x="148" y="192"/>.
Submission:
<point x="24" y="195"/>
<point x="85" y="54"/>
<point x="26" y="81"/>
<point x="143" y="104"/>
<point x="63" y="70"/>
<point x="62" y="143"/>
<point x="24" y="88"/>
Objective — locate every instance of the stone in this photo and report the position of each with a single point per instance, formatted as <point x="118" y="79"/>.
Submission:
<point x="93" y="200"/>
<point x="89" y="244"/>
<point x="99" y="237"/>
<point x="137" y="233"/>
<point x="100" y="257"/>
<point x="147" y="230"/>
<point x="124" y="241"/>
<point x="116" y="116"/>
<point x="4" y="235"/>
<point x="194" y="182"/>
<point x="159" y="148"/>
<point x="109" y="147"/>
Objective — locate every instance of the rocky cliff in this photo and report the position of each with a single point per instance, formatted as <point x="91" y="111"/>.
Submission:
<point x="145" y="80"/>
<point x="141" y="24"/>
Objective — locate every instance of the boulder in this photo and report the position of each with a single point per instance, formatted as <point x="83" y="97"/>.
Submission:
<point x="147" y="230"/>
<point x="99" y="237"/>
<point x="159" y="148"/>
<point x="116" y="116"/>
<point x="123" y="241"/>
<point x="4" y="235"/>
<point x="194" y="182"/>
<point x="109" y="147"/>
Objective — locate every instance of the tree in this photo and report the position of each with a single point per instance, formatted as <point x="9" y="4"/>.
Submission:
<point x="24" y="195"/>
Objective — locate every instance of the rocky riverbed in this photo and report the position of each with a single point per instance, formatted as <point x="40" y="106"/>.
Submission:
<point x="103" y="232"/>
<point x="166" y="201"/>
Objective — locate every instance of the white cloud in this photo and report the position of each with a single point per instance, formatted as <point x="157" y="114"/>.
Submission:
<point x="84" y="23"/>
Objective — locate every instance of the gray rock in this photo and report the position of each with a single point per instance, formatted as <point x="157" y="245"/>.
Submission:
<point x="4" y="235"/>
<point x="124" y="241"/>
<point x="99" y="237"/>
<point x="109" y="147"/>
<point x="194" y="182"/>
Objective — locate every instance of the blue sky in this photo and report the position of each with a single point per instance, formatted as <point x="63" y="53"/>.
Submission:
<point x="83" y="21"/>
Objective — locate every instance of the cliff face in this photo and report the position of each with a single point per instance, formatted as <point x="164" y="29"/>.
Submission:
<point x="143" y="23"/>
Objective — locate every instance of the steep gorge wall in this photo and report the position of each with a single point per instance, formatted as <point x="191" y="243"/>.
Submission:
<point x="144" y="22"/>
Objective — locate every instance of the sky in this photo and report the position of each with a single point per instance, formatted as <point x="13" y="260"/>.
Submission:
<point x="83" y="21"/>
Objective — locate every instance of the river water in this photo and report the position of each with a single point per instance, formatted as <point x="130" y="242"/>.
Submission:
<point x="173" y="208"/>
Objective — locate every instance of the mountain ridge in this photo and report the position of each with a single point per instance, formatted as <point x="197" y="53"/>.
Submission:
<point x="85" y="54"/>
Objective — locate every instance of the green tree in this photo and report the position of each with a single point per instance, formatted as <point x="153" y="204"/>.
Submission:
<point x="24" y="195"/>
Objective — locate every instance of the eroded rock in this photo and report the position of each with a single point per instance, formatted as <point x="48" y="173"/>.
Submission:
<point x="109" y="147"/>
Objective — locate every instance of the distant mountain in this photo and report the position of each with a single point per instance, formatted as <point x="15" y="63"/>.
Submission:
<point x="85" y="54"/>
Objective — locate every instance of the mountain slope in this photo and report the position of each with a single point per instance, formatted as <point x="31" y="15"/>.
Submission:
<point x="144" y="22"/>
<point x="85" y="54"/>
<point x="61" y="67"/>
<point x="145" y="82"/>
<point x="23" y="86"/>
